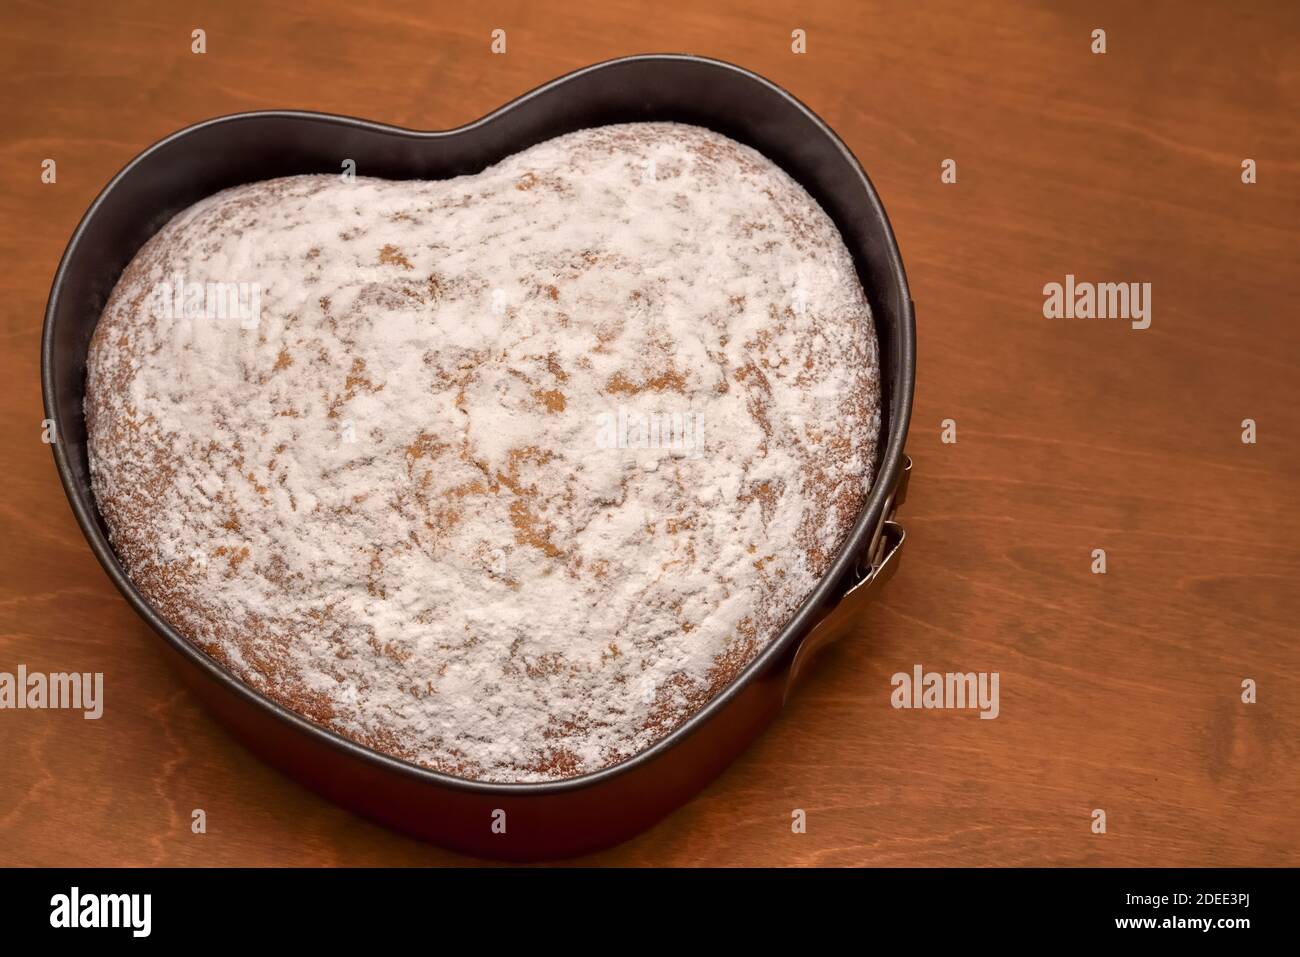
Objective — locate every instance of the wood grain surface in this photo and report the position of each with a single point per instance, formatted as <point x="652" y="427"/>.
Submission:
<point x="1119" y="692"/>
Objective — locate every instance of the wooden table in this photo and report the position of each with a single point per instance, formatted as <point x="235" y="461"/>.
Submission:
<point x="1119" y="692"/>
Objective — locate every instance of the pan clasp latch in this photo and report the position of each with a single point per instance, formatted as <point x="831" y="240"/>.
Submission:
<point x="882" y="553"/>
<point x="881" y="563"/>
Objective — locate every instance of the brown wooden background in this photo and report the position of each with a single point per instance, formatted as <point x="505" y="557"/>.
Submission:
<point x="1119" y="692"/>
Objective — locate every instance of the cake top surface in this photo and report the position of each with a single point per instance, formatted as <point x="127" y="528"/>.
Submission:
<point x="505" y="475"/>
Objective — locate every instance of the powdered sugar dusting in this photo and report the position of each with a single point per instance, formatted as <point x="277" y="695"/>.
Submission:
<point x="388" y="503"/>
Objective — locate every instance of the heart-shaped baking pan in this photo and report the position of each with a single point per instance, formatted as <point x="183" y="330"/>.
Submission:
<point x="511" y="821"/>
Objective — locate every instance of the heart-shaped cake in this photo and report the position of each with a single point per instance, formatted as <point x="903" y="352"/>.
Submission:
<point x="505" y="475"/>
